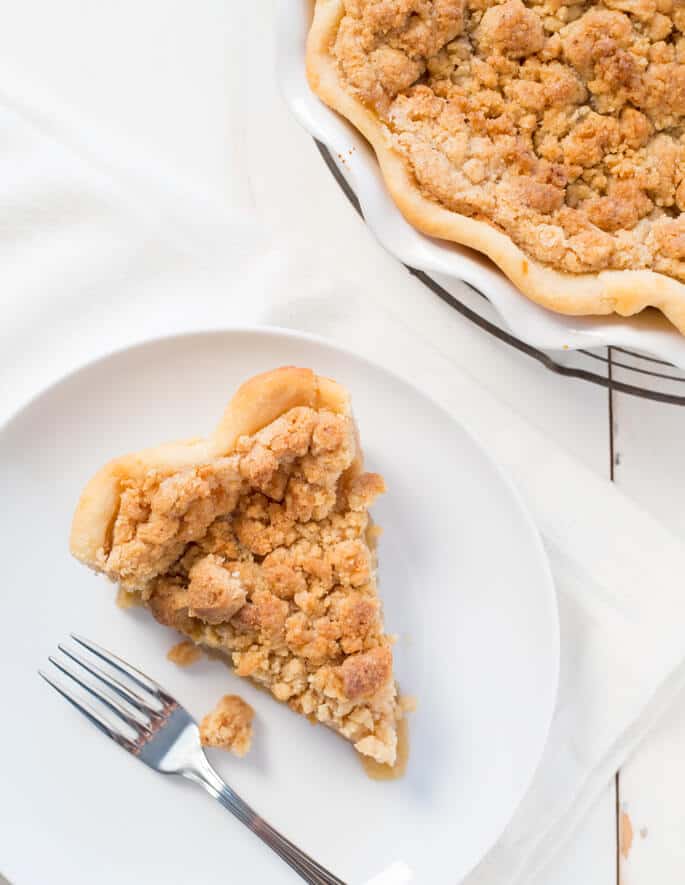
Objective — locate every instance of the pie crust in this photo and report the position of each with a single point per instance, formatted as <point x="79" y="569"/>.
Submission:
<point x="257" y="542"/>
<point x="546" y="134"/>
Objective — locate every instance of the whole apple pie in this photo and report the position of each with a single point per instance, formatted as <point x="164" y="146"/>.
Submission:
<point x="257" y="542"/>
<point x="548" y="134"/>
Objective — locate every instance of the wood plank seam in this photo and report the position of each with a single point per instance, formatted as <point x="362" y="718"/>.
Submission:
<point x="612" y="477"/>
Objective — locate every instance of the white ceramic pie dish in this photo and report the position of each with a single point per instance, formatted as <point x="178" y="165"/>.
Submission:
<point x="649" y="332"/>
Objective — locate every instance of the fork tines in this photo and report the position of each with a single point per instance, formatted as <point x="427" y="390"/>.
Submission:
<point x="133" y="715"/>
<point x="142" y="718"/>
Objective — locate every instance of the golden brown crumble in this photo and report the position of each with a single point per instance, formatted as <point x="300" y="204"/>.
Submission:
<point x="561" y="122"/>
<point x="184" y="653"/>
<point x="229" y="725"/>
<point x="268" y="556"/>
<point x="215" y="594"/>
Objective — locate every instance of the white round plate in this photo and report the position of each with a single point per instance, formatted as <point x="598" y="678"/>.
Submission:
<point x="648" y="332"/>
<point x="466" y="586"/>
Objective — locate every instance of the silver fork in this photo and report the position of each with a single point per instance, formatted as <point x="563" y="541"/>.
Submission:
<point x="163" y="735"/>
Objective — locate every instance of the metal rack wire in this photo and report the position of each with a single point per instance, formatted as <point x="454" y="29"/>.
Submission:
<point x="617" y="369"/>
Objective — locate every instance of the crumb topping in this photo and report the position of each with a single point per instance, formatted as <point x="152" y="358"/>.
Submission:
<point x="229" y="725"/>
<point x="268" y="556"/>
<point x="215" y="594"/>
<point x="185" y="653"/>
<point x="560" y="122"/>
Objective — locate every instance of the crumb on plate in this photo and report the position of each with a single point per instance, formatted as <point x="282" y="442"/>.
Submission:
<point x="229" y="725"/>
<point x="184" y="653"/>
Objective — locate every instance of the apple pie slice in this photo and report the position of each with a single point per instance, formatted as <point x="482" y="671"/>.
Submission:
<point x="257" y="542"/>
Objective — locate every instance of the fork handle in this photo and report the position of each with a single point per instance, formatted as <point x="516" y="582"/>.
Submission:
<point x="305" y="866"/>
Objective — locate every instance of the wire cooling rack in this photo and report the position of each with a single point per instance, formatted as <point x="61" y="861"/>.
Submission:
<point x="615" y="368"/>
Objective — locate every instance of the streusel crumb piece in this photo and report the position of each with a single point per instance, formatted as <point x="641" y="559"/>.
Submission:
<point x="229" y="725"/>
<point x="184" y="653"/>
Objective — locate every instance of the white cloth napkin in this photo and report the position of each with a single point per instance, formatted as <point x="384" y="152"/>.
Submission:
<point x="92" y="260"/>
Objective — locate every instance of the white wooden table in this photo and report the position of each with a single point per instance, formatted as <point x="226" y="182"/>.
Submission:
<point x="158" y="72"/>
